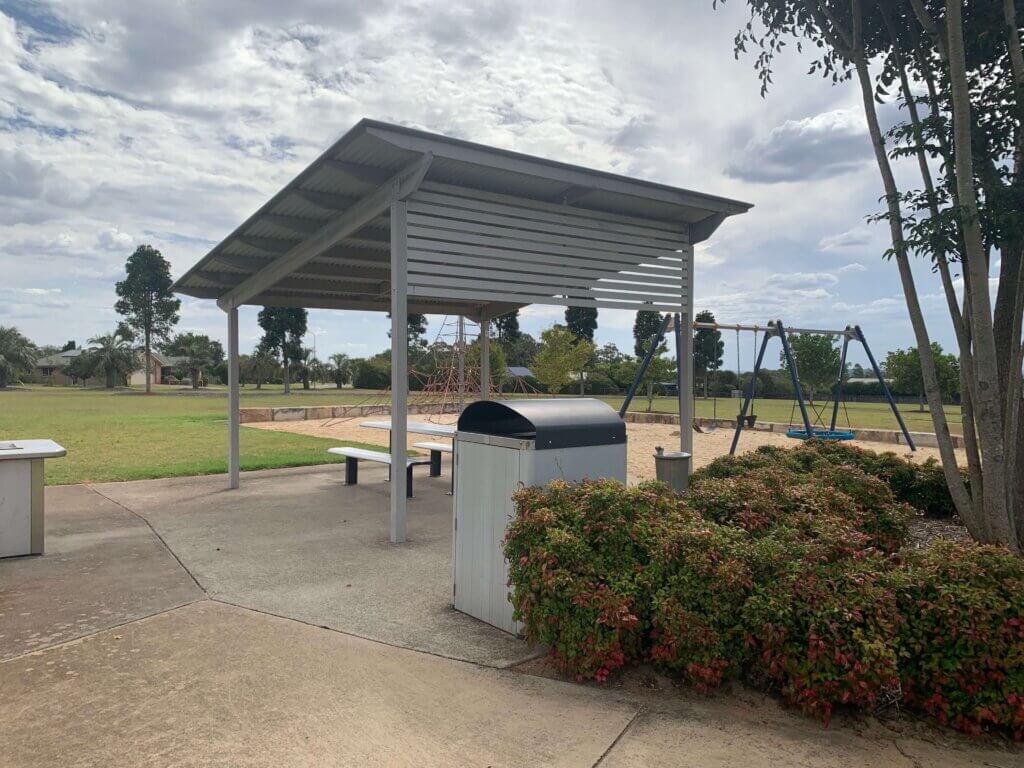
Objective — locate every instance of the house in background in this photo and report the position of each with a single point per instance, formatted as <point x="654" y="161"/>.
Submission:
<point x="50" y="369"/>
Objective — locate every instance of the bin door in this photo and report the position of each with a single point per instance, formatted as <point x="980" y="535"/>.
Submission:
<point x="486" y="478"/>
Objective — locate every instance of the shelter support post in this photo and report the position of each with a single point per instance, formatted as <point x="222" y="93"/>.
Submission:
<point x="485" y="359"/>
<point x="399" y="366"/>
<point x="233" y="412"/>
<point x="885" y="387"/>
<point x="839" y="384"/>
<point x="750" y="392"/>
<point x="684" y="351"/>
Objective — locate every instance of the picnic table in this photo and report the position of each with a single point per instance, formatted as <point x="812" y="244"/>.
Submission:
<point x="416" y="427"/>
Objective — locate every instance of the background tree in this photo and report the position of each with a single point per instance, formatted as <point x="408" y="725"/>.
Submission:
<point x="646" y="324"/>
<point x="561" y="353"/>
<point x="342" y="370"/>
<point x="262" y="363"/>
<point x="114" y="355"/>
<point x="80" y="368"/>
<point x="506" y="327"/>
<point x="581" y="322"/>
<point x="817" y="361"/>
<point x="17" y="355"/>
<point x="283" y="329"/>
<point x="521" y="350"/>
<point x="708" y="348"/>
<point x="904" y="368"/>
<point x="961" y="83"/>
<point x="145" y="300"/>
<point x="200" y="353"/>
<point x="496" y="357"/>
<point x="857" y="371"/>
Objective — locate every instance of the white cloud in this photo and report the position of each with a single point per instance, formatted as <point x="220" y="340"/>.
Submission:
<point x="851" y="238"/>
<point x="852" y="267"/>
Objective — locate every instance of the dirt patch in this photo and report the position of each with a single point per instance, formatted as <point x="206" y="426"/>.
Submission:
<point x="643" y="439"/>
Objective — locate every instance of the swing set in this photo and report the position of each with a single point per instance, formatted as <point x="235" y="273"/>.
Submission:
<point x="809" y="428"/>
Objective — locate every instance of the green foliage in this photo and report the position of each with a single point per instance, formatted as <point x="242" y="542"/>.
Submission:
<point x="962" y="644"/>
<point x="817" y="360"/>
<point x="584" y="560"/>
<point x="17" y="355"/>
<point x="506" y="328"/>
<point x="113" y="356"/>
<point x="201" y="354"/>
<point x="708" y="348"/>
<point x="903" y="366"/>
<point x="145" y="299"/>
<point x="581" y="322"/>
<point x="373" y="373"/>
<point x="560" y="355"/>
<point x="781" y="567"/>
<point x="645" y="325"/>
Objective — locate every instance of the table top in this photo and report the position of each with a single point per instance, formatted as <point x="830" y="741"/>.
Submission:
<point x="30" y="449"/>
<point x="416" y="427"/>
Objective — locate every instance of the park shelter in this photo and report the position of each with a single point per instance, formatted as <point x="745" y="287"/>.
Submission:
<point x="398" y="220"/>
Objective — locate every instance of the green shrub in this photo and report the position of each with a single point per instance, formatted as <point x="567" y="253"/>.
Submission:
<point x="820" y="633"/>
<point x="962" y="645"/>
<point x="697" y="629"/>
<point x="781" y="567"/>
<point x="583" y="563"/>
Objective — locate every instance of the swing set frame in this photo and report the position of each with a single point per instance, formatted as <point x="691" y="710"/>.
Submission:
<point x="775" y="329"/>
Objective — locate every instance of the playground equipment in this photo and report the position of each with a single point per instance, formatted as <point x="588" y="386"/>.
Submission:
<point x="776" y="329"/>
<point x="848" y="334"/>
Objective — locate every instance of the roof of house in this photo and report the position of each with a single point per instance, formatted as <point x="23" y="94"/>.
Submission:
<point x="59" y="359"/>
<point x="345" y="269"/>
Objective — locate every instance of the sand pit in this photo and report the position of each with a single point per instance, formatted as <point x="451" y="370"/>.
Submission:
<point x="643" y="439"/>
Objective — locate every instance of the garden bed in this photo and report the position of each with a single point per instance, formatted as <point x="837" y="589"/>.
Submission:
<point x="795" y="571"/>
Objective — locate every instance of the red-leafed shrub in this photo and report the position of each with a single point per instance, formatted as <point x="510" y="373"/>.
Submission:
<point x="962" y="643"/>
<point x="820" y="633"/>
<point x="696" y="619"/>
<point x="781" y="567"/>
<point x="583" y="561"/>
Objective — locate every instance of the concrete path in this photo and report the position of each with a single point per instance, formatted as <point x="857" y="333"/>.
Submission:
<point x="114" y="655"/>
<point x="212" y="684"/>
<point x="103" y="566"/>
<point x="301" y="544"/>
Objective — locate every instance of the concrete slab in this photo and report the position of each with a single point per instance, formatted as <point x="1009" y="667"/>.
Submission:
<point x="301" y="544"/>
<point x="210" y="684"/>
<point x="103" y="566"/>
<point x="704" y="738"/>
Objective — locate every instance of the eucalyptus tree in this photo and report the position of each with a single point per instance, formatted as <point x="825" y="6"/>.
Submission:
<point x="145" y="300"/>
<point x="957" y="70"/>
<point x="283" y="329"/>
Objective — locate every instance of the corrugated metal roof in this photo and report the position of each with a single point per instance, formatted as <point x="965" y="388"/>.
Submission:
<point x="354" y="273"/>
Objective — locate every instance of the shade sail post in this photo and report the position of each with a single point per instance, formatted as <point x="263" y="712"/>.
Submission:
<point x="234" y="461"/>
<point x="684" y="353"/>
<point x="485" y="359"/>
<point x="399" y="367"/>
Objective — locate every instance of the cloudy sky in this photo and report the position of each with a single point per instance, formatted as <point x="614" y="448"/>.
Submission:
<point x="126" y="122"/>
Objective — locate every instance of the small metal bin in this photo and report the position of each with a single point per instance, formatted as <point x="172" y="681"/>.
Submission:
<point x="501" y="446"/>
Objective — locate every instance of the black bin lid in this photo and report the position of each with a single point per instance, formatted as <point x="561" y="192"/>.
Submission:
<point x="556" y="422"/>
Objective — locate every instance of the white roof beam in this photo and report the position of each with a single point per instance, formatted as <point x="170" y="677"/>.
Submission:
<point x="398" y="187"/>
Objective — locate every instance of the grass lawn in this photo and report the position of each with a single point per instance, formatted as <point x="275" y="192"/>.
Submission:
<point x="863" y="415"/>
<point x="124" y="435"/>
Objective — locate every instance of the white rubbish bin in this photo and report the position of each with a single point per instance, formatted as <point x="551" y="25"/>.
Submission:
<point x="21" y="494"/>
<point x="501" y="446"/>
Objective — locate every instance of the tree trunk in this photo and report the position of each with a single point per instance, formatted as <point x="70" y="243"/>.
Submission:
<point x="110" y="380"/>
<point x="988" y="404"/>
<point x="287" y="376"/>
<point x="146" y="364"/>
<point x="195" y="378"/>
<point x="950" y="468"/>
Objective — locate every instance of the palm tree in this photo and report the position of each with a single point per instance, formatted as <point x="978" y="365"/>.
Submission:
<point x="305" y="363"/>
<point x="114" y="355"/>
<point x="17" y="353"/>
<point x="342" y="368"/>
<point x="262" y="361"/>
<point x="198" y="356"/>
